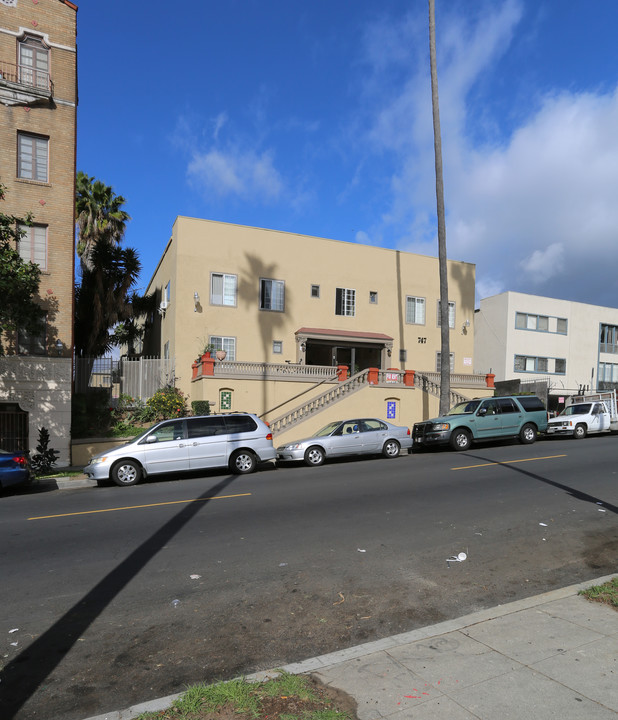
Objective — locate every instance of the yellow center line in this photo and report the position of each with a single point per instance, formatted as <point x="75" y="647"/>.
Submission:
<point x="507" y="462"/>
<point x="137" y="507"/>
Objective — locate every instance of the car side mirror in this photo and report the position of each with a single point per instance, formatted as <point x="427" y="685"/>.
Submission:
<point x="482" y="411"/>
<point x="151" y="439"/>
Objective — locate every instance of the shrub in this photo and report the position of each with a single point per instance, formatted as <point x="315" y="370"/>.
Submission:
<point x="45" y="457"/>
<point x="200" y="407"/>
<point x="169" y="402"/>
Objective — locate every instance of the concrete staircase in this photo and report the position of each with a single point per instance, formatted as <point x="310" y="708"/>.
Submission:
<point x="344" y="389"/>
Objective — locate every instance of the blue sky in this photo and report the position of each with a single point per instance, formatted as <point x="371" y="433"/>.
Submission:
<point x="315" y="117"/>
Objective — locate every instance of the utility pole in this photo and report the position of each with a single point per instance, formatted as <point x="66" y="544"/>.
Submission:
<point x="445" y="354"/>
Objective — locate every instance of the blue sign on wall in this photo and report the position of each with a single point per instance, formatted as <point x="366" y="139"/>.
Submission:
<point x="391" y="409"/>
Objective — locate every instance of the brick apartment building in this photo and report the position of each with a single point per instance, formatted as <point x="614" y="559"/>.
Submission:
<point x="38" y="105"/>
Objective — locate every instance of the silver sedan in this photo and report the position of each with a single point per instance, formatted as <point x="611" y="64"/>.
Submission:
<point x="348" y="437"/>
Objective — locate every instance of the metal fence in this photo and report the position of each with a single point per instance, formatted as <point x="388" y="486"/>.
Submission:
<point x="138" y="377"/>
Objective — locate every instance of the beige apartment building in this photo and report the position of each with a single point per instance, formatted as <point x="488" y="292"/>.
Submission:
<point x="292" y="319"/>
<point x="38" y="104"/>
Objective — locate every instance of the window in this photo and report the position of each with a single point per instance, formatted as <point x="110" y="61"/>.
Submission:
<point x="32" y="157"/>
<point x="225" y="343"/>
<point x="205" y="427"/>
<point x="223" y="289"/>
<point x="33" y="244"/>
<point x="33" y="63"/>
<point x="167" y="293"/>
<point x="439" y="361"/>
<point x="525" y="363"/>
<point x="345" y="302"/>
<point x="272" y="295"/>
<point x="403" y="356"/>
<point x="373" y="297"/>
<point x="609" y="338"/>
<point x="608" y="372"/>
<point x="166" y="351"/>
<point x="32" y="343"/>
<point x="415" y="310"/>
<point x="507" y="405"/>
<point x="277" y="347"/>
<point x="451" y="314"/>
<point x="315" y="291"/>
<point x="540" y="323"/>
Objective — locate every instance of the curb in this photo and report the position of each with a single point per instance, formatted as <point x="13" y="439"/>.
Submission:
<point x="66" y="483"/>
<point x="323" y="661"/>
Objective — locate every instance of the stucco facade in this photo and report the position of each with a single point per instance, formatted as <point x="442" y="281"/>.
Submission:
<point x="38" y="103"/>
<point x="529" y="337"/>
<point x="281" y="298"/>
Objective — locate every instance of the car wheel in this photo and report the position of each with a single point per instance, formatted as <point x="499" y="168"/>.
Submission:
<point x="527" y="434"/>
<point x="314" y="456"/>
<point x="242" y="462"/>
<point x="391" y="449"/>
<point x="580" y="431"/>
<point x="126" y="472"/>
<point x="460" y="439"/>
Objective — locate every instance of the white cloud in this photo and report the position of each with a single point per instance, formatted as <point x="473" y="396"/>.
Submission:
<point x="534" y="210"/>
<point x="245" y="174"/>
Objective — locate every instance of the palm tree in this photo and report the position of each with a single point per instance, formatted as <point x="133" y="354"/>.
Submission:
<point x="100" y="217"/>
<point x="445" y="365"/>
<point x="103" y="298"/>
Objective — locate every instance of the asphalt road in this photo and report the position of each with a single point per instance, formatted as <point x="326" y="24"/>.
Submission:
<point x="112" y="596"/>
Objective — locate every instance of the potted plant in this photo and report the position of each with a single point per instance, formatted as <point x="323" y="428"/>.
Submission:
<point x="207" y="350"/>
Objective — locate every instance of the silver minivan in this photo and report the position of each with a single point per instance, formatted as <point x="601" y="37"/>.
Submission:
<point x="237" y="440"/>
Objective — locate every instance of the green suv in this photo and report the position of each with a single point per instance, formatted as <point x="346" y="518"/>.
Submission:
<point x="521" y="416"/>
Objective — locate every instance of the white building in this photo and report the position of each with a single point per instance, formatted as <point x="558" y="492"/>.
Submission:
<point x="570" y="345"/>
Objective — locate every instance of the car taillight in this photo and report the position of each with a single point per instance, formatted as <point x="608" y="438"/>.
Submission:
<point x="20" y="460"/>
<point x="269" y="436"/>
<point x="408" y="431"/>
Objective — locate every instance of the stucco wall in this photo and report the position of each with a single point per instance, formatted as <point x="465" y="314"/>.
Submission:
<point x="42" y="387"/>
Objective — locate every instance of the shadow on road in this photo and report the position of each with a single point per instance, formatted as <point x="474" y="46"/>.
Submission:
<point x="578" y="494"/>
<point x="21" y="677"/>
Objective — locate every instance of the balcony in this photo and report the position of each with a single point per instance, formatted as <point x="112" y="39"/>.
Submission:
<point x="24" y="85"/>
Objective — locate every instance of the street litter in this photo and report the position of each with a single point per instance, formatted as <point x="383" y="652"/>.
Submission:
<point x="456" y="558"/>
<point x="359" y="550"/>
<point x="543" y="524"/>
<point x="175" y="603"/>
<point x="339" y="601"/>
<point x="14" y="644"/>
<point x="602" y="510"/>
<point x="282" y="564"/>
<point x="13" y="630"/>
<point x="195" y="577"/>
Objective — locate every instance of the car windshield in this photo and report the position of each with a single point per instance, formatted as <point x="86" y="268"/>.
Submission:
<point x="577" y="409"/>
<point x="464" y="408"/>
<point x="328" y="429"/>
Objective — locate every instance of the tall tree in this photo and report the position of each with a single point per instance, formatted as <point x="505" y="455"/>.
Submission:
<point x="19" y="281"/>
<point x="104" y="299"/>
<point x="100" y="217"/>
<point x="445" y="354"/>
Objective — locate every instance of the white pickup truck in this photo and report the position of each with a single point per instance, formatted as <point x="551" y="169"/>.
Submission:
<point x="584" y="414"/>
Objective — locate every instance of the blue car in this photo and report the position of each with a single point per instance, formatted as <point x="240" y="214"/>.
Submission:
<point x="14" y="469"/>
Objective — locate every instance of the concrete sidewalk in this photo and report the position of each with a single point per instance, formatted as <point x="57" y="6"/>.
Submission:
<point x="550" y="656"/>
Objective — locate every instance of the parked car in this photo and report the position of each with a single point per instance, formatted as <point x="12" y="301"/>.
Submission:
<point x="521" y="416"/>
<point x="14" y="469"/>
<point x="237" y="440"/>
<point x="348" y="437"/>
